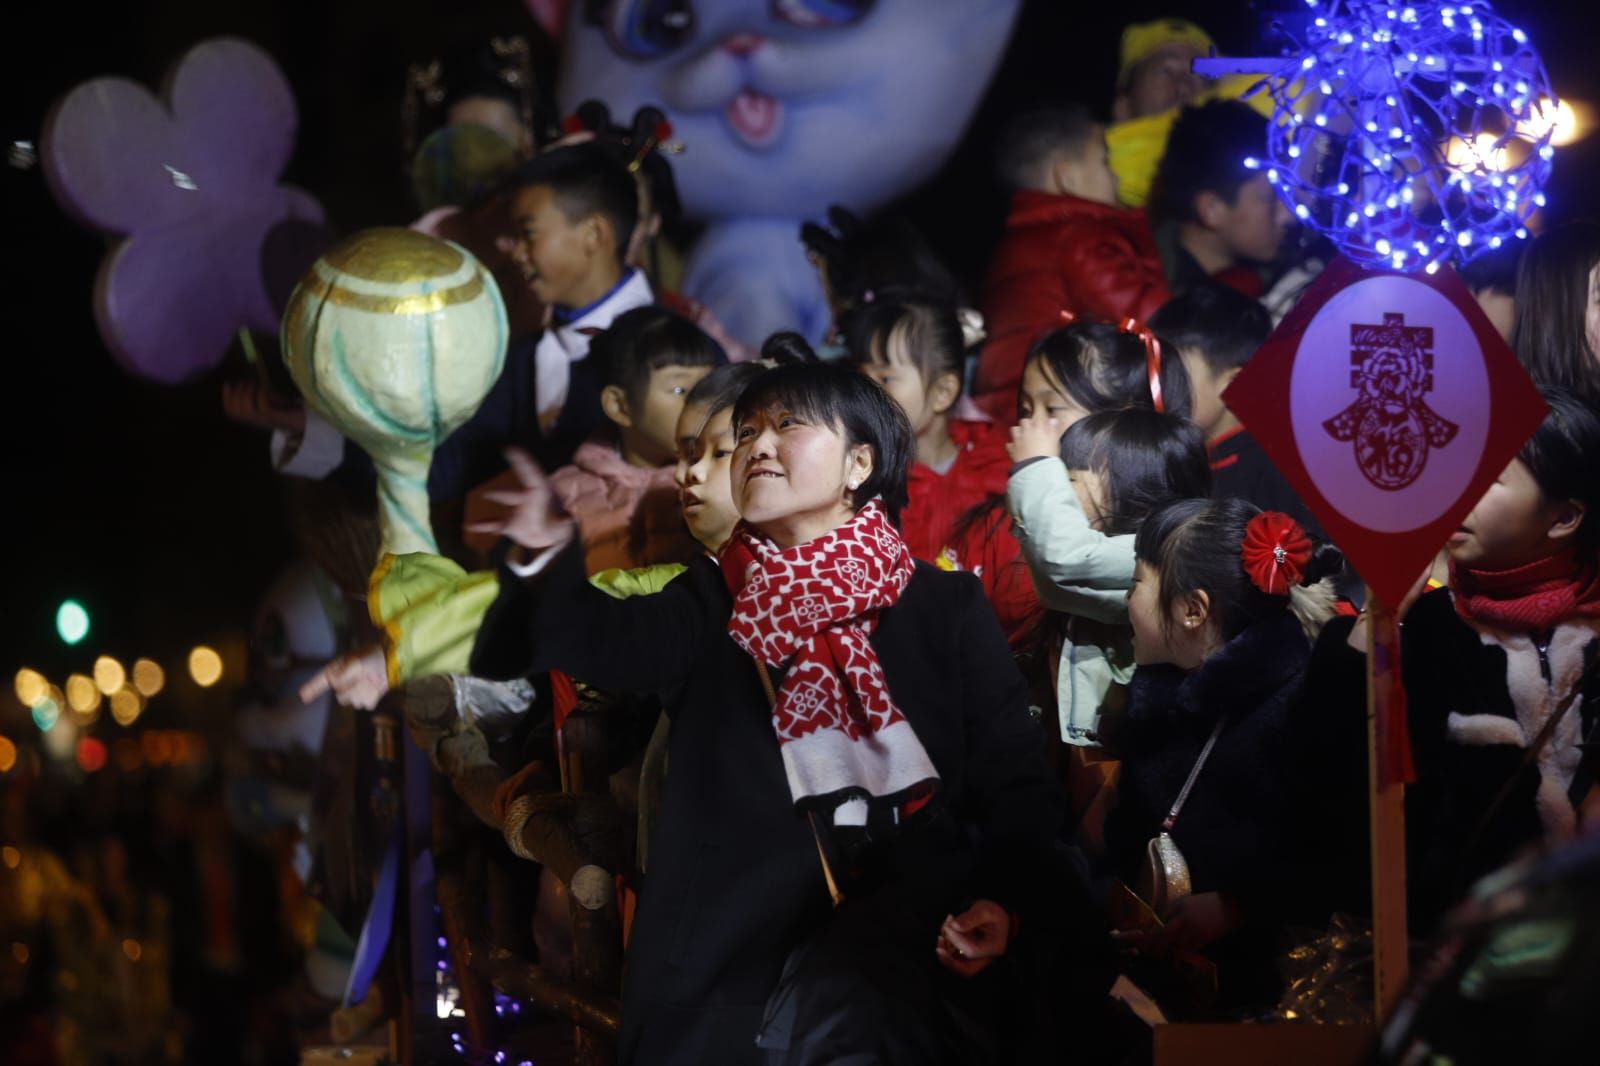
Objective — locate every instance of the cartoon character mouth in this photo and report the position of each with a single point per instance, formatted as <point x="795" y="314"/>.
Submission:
<point x="755" y="118"/>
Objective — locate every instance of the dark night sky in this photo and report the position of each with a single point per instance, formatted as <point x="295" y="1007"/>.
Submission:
<point x="142" y="501"/>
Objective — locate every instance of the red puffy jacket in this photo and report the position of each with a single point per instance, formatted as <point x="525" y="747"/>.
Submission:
<point x="937" y="500"/>
<point x="1060" y="253"/>
<point x="988" y="548"/>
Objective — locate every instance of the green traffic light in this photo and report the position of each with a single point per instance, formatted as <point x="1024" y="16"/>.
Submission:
<point x="72" y="621"/>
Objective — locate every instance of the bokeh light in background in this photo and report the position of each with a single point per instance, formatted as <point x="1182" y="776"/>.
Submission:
<point x="109" y="676"/>
<point x="30" y="686"/>
<point x="126" y="706"/>
<point x="129" y="757"/>
<point x="72" y="621"/>
<point x="91" y="755"/>
<point x="46" y="710"/>
<point x="61" y="739"/>
<point x="148" y="677"/>
<point x="205" y="666"/>
<point x="8" y="755"/>
<point x="82" y="695"/>
<point x="1568" y="121"/>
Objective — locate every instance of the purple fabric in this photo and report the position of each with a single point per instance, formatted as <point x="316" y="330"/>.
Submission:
<point x="212" y="242"/>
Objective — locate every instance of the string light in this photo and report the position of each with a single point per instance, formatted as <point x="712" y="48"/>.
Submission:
<point x="1429" y="142"/>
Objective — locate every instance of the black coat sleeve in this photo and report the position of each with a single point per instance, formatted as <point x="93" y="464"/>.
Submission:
<point x="556" y="620"/>
<point x="1013" y="798"/>
<point x="1327" y="749"/>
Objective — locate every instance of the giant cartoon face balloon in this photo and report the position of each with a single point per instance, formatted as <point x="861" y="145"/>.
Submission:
<point x="784" y="107"/>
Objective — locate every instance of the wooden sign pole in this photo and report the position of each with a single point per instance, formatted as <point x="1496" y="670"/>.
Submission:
<point x="1386" y="819"/>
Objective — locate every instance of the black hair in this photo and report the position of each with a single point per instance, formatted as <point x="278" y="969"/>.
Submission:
<point x="1195" y="546"/>
<point x="587" y="180"/>
<point x="720" y="389"/>
<point x="1553" y="285"/>
<point x="1495" y="270"/>
<point x="477" y="70"/>
<point x="1562" y="455"/>
<point x="1219" y="323"/>
<point x="1205" y="152"/>
<point x="882" y="256"/>
<point x="647" y="339"/>
<point x="1145" y="460"/>
<point x="1103" y="369"/>
<point x="930" y="332"/>
<point x="635" y="146"/>
<point x="829" y="394"/>
<point x="787" y="347"/>
<point x="1033" y="139"/>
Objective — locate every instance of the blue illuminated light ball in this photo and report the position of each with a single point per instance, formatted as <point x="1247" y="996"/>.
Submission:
<point x="1410" y="134"/>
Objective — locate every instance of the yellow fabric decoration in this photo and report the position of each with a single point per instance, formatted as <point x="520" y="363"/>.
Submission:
<point x="1136" y="146"/>
<point x="644" y="581"/>
<point x="430" y="609"/>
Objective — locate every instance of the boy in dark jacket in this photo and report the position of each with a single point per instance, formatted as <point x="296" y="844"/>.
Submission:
<point x="1218" y="218"/>
<point x="1216" y="330"/>
<point x="1068" y="247"/>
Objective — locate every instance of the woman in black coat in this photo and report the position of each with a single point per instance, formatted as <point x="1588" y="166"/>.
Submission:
<point x="737" y="883"/>
<point x="1502" y="682"/>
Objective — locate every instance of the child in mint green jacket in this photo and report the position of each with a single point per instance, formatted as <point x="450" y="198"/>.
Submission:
<point x="1076" y="501"/>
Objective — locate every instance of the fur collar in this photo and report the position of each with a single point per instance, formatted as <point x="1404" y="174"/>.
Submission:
<point x="1238" y="677"/>
<point x="1568" y="652"/>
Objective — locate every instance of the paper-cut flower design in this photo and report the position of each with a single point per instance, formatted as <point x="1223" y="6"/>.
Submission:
<point x="1391" y="423"/>
<point x="212" y="242"/>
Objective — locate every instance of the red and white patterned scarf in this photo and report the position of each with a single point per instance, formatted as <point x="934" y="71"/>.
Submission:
<point x="810" y="611"/>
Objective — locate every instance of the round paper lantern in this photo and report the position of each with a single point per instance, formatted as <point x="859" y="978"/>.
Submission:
<point x="395" y="337"/>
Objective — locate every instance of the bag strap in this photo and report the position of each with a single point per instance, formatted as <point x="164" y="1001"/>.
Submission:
<point x="1183" y="796"/>
<point x="811" y="816"/>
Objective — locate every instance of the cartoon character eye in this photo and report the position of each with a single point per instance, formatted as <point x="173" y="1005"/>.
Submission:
<point x="821" y="14"/>
<point x="646" y="29"/>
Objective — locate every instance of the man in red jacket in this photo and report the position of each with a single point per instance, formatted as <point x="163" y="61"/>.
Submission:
<point x="1068" y="247"/>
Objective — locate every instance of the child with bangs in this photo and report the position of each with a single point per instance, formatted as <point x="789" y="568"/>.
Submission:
<point x="915" y="349"/>
<point x="619" y="486"/>
<point x="1119" y="467"/>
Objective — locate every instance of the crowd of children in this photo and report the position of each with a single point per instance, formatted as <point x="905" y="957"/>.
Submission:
<point x="1172" y="732"/>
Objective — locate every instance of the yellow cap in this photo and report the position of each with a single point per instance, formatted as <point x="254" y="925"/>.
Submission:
<point x="1143" y="38"/>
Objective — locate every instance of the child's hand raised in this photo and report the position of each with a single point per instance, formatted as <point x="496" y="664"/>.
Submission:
<point x="1035" y="437"/>
<point x="357" y="680"/>
<point x="531" y="516"/>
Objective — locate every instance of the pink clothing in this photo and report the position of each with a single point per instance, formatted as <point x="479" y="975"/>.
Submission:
<point x="628" y="516"/>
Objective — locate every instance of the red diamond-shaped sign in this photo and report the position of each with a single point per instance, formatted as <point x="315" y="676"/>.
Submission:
<point x="1391" y="404"/>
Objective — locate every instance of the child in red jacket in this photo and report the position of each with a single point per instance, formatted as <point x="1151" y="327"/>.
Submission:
<point x="913" y="347"/>
<point x="1068" y="247"/>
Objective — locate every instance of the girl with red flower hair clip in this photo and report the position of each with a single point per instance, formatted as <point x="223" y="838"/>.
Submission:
<point x="1225" y="601"/>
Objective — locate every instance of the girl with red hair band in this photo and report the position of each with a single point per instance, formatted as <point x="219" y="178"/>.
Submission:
<point x="1224" y="599"/>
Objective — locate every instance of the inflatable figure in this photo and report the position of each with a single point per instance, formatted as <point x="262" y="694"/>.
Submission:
<point x="212" y="243"/>
<point x="783" y="107"/>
